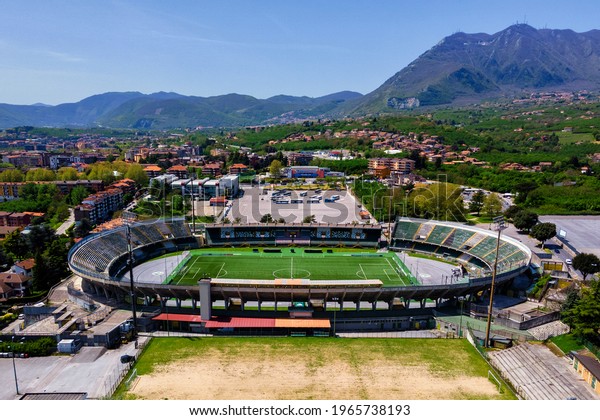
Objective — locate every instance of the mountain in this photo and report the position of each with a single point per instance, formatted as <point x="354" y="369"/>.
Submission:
<point x="163" y="110"/>
<point x="461" y="69"/>
<point x="466" y="68"/>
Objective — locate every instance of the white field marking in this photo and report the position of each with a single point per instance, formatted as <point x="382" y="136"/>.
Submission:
<point x="390" y="264"/>
<point x="386" y="273"/>
<point x="363" y="272"/>
<point x="220" y="269"/>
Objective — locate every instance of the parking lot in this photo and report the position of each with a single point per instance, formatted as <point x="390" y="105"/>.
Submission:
<point x="294" y="207"/>
<point x="94" y="370"/>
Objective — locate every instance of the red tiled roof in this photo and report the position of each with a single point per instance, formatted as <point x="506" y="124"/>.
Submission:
<point x="239" y="322"/>
<point x="26" y="264"/>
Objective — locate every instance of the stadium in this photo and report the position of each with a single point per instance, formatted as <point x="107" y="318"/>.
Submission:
<point x="304" y="267"/>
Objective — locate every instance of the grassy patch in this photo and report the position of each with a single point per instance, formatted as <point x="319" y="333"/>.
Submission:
<point x="439" y="360"/>
<point x="566" y="343"/>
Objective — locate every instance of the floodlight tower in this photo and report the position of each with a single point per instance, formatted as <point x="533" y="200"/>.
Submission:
<point x="499" y="224"/>
<point x="128" y="219"/>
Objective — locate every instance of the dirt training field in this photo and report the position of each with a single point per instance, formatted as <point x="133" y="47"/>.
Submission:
<point x="311" y="368"/>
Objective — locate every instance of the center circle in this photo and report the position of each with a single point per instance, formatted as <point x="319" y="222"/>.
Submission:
<point x="284" y="273"/>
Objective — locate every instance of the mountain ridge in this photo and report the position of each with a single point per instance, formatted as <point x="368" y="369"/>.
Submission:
<point x="460" y="69"/>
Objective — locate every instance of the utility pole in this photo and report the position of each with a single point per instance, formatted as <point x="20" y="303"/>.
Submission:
<point x="499" y="223"/>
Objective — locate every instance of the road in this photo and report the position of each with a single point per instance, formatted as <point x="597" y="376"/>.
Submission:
<point x="67" y="223"/>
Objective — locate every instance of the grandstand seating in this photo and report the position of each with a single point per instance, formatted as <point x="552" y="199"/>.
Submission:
<point x="467" y="245"/>
<point x="439" y="234"/>
<point x="262" y="235"/>
<point x="96" y="253"/>
<point x="406" y="229"/>
<point x="457" y="238"/>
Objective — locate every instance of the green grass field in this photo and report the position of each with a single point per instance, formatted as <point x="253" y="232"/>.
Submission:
<point x="291" y="263"/>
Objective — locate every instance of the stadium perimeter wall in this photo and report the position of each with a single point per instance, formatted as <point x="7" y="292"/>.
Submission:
<point x="105" y="280"/>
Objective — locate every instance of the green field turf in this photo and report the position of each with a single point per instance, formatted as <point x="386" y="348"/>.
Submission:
<point x="291" y="263"/>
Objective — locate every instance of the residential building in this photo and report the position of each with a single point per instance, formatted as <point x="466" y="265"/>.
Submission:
<point x="238" y="168"/>
<point x="212" y="169"/>
<point x="299" y="158"/>
<point x="24" y="268"/>
<point x="152" y="171"/>
<point x="179" y="171"/>
<point x="588" y="368"/>
<point x="17" y="282"/>
<point x="99" y="207"/>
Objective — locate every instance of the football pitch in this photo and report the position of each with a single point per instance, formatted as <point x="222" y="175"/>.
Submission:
<point x="291" y="263"/>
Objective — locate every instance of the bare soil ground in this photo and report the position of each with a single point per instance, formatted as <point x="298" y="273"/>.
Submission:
<point x="265" y="374"/>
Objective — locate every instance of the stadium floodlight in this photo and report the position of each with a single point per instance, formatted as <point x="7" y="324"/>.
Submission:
<point x="128" y="219"/>
<point x="499" y="225"/>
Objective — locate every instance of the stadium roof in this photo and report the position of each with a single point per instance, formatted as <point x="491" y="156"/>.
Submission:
<point x="239" y="322"/>
<point x="177" y="317"/>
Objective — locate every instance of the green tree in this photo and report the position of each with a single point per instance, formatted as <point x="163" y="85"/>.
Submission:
<point x="309" y="219"/>
<point x="39" y="237"/>
<point x="40" y="174"/>
<point x="55" y="258"/>
<point x="12" y="175"/>
<point x="14" y="244"/>
<point x="78" y="194"/>
<point x="512" y="211"/>
<point x="587" y="264"/>
<point x="82" y="228"/>
<point x="476" y="203"/>
<point x="492" y="205"/>
<point x="267" y="218"/>
<point x="135" y="171"/>
<point x="275" y="168"/>
<point x="39" y="276"/>
<point x="543" y="231"/>
<point x="584" y="315"/>
<point x="440" y="201"/>
<point x="67" y="174"/>
<point x="525" y="220"/>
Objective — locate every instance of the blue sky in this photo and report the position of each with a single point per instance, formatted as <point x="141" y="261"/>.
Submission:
<point x="55" y="51"/>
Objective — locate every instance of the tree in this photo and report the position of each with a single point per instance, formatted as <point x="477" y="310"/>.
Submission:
<point x="310" y="219"/>
<point x="440" y="201"/>
<point x="39" y="275"/>
<point x="40" y="174"/>
<point x="38" y="237"/>
<point x="82" y="228"/>
<point x="267" y="218"/>
<point x="67" y="174"/>
<point x="275" y="168"/>
<point x="476" y="203"/>
<point x="587" y="264"/>
<point x="512" y="211"/>
<point x="525" y="220"/>
<point x="584" y="315"/>
<point x="543" y="231"/>
<point x="12" y="175"/>
<point x="492" y="205"/>
<point x="55" y="259"/>
<point x="136" y="172"/>
<point x="78" y="194"/>
<point x="14" y="244"/>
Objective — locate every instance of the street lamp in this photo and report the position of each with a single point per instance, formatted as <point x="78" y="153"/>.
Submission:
<point x="13" y="362"/>
<point x="499" y="223"/>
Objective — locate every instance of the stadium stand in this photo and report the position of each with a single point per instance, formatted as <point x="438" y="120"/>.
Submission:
<point x="471" y="246"/>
